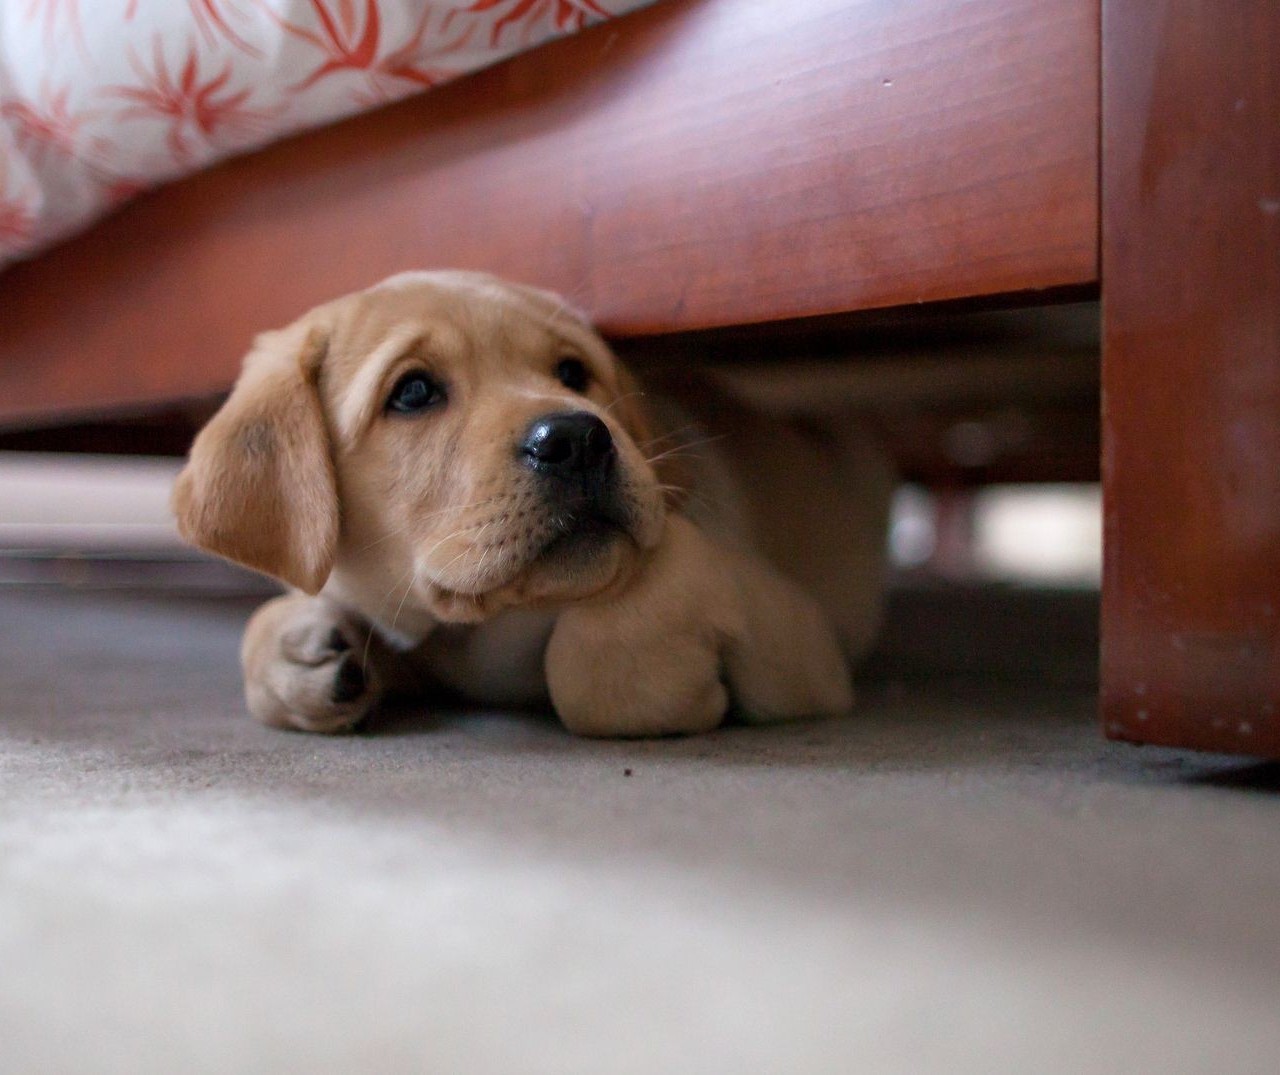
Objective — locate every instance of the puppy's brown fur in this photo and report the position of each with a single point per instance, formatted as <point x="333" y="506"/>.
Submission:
<point x="425" y="550"/>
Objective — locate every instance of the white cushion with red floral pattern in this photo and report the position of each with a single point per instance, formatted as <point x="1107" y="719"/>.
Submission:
<point x="100" y="99"/>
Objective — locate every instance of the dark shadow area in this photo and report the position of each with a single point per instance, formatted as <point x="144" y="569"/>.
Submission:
<point x="1254" y="777"/>
<point x="979" y="636"/>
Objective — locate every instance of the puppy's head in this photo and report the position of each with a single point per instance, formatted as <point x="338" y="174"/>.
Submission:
<point x="473" y="441"/>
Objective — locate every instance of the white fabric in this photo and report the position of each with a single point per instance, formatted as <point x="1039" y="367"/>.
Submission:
<point x="100" y="99"/>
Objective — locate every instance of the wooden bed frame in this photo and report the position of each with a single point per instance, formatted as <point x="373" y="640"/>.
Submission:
<point x="705" y="164"/>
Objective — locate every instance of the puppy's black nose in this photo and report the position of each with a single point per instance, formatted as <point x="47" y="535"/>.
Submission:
<point x="574" y="444"/>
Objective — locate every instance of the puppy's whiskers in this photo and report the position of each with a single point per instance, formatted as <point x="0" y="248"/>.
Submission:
<point x="456" y="534"/>
<point x="413" y="577"/>
<point x="418" y="520"/>
<point x="674" y="434"/>
<point x="623" y="398"/>
<point x="364" y="658"/>
<point x="393" y="533"/>
<point x="438" y="576"/>
<point x="682" y="449"/>
<point x="478" y="573"/>
<point x="691" y="496"/>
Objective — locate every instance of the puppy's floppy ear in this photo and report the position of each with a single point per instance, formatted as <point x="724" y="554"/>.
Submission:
<point x="259" y="485"/>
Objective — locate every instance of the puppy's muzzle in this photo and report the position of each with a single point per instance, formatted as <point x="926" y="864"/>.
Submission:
<point x="576" y="462"/>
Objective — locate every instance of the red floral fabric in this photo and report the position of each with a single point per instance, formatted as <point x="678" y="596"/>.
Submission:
<point x="100" y="99"/>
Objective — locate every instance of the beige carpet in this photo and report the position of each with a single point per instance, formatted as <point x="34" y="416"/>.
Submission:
<point x="955" y="881"/>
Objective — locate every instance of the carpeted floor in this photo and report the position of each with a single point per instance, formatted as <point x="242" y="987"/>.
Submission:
<point x="958" y="880"/>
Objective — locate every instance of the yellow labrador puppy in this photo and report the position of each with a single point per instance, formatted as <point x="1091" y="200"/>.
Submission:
<point x="467" y="493"/>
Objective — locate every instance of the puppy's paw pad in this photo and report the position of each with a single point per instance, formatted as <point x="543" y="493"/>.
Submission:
<point x="349" y="680"/>
<point x="316" y="643"/>
<point x="317" y="682"/>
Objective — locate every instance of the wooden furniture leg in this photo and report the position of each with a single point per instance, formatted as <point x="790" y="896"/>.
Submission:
<point x="1191" y="373"/>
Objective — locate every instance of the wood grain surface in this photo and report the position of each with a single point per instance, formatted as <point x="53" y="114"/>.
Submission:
<point x="1191" y="373"/>
<point x="696" y="164"/>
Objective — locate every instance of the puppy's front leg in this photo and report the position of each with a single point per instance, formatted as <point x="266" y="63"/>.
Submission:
<point x="700" y="626"/>
<point x="309" y="665"/>
<point x="786" y="661"/>
<point x="646" y="661"/>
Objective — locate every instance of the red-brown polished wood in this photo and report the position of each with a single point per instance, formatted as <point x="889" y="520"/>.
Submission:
<point x="1191" y="373"/>
<point x="699" y="163"/>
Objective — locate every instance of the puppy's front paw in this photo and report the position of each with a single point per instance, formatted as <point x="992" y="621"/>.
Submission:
<point x="669" y="691"/>
<point x="648" y="661"/>
<point x="304" y="667"/>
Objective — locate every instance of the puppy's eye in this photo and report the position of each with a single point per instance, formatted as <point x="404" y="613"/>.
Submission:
<point x="572" y="373"/>
<point x="415" y="392"/>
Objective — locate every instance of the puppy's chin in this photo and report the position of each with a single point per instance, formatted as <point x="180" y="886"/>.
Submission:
<point x="574" y="566"/>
